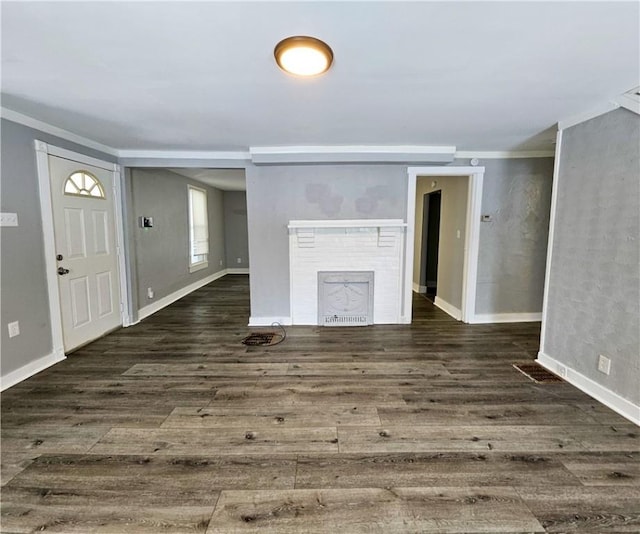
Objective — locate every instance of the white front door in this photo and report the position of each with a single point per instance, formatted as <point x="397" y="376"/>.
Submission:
<point x="82" y="199"/>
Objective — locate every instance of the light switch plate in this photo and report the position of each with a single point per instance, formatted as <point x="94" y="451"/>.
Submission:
<point x="604" y="364"/>
<point x="14" y="329"/>
<point x="8" y="219"/>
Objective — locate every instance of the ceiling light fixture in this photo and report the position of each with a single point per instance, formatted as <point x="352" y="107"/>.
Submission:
<point x="303" y="56"/>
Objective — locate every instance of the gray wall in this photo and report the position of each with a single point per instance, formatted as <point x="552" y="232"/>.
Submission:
<point x="513" y="246"/>
<point x="594" y="285"/>
<point x="162" y="252"/>
<point x="451" y="248"/>
<point x="277" y="194"/>
<point x="512" y="257"/>
<point x="236" y="237"/>
<point x="23" y="280"/>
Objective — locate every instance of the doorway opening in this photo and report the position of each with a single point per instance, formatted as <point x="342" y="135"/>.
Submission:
<point x="195" y="219"/>
<point x="463" y="233"/>
<point x="432" y="204"/>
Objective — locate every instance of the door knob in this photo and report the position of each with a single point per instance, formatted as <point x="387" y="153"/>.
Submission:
<point x="62" y="271"/>
<point x="59" y="257"/>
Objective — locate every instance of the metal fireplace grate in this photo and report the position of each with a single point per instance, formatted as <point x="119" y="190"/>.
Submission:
<point x="258" y="338"/>
<point x="345" y="298"/>
<point x="345" y="320"/>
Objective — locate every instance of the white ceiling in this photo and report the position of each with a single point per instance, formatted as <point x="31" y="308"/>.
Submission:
<point x="225" y="179"/>
<point x="201" y="75"/>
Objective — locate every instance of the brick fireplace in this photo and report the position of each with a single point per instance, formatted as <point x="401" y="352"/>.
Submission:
<point x="361" y="265"/>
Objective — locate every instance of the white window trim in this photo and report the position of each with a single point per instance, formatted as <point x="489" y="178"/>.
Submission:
<point x="199" y="265"/>
<point x="194" y="267"/>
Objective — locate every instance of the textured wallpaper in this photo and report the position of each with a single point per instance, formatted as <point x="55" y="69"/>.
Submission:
<point x="594" y="286"/>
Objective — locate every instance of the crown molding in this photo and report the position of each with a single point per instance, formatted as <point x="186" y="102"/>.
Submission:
<point x="630" y="100"/>
<point x="587" y="115"/>
<point x="409" y="154"/>
<point x="352" y="154"/>
<point x="508" y="154"/>
<point x="353" y="149"/>
<point x="45" y="127"/>
<point x="184" y="154"/>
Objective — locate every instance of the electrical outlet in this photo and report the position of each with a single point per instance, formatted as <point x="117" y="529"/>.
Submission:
<point x="14" y="329"/>
<point x="238" y="260"/>
<point x="150" y="293"/>
<point x="220" y="263"/>
<point x="604" y="364"/>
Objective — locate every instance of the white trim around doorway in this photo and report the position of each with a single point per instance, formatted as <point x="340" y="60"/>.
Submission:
<point x="43" y="151"/>
<point x="472" y="236"/>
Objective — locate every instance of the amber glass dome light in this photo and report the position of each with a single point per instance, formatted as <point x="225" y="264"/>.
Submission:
<point x="303" y="56"/>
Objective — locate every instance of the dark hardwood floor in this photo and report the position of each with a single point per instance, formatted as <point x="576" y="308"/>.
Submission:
<point x="174" y="426"/>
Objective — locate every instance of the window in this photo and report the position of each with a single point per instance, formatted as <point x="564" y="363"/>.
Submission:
<point x="198" y="229"/>
<point x="83" y="184"/>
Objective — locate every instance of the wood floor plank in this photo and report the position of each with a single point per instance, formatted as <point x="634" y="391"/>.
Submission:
<point x="604" y="468"/>
<point x="284" y="396"/>
<point x="368" y="368"/>
<point x="217" y="441"/>
<point x="470" y="510"/>
<point x="58" y="439"/>
<point x="476" y="393"/>
<point x="21" y="445"/>
<point x="103" y="518"/>
<point x="431" y="469"/>
<point x="479" y="414"/>
<point x="444" y="510"/>
<point x="584" y="509"/>
<point x="204" y="369"/>
<point x="454" y="438"/>
<point x="311" y="511"/>
<point x="90" y="416"/>
<point x="148" y="480"/>
<point x="12" y="464"/>
<point x="618" y="437"/>
<point x="600" y="413"/>
<point x="298" y="416"/>
<point x="331" y="383"/>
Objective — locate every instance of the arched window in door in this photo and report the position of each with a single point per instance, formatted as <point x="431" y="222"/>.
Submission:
<point x="83" y="184"/>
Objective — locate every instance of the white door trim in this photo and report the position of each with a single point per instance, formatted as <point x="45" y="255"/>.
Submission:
<point x="74" y="156"/>
<point x="43" y="151"/>
<point x="125" y="314"/>
<point x="472" y="235"/>
<point x="552" y="226"/>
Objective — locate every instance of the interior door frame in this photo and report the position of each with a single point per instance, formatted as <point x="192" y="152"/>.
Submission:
<point x="43" y="151"/>
<point x="426" y="225"/>
<point x="472" y="235"/>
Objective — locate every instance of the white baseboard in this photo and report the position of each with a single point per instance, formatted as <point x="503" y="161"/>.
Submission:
<point x="482" y="318"/>
<point x="419" y="289"/>
<point x="602" y="394"/>
<point x="30" y="369"/>
<point x="238" y="270"/>
<point x="268" y="321"/>
<point x="152" y="308"/>
<point x="448" y="308"/>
